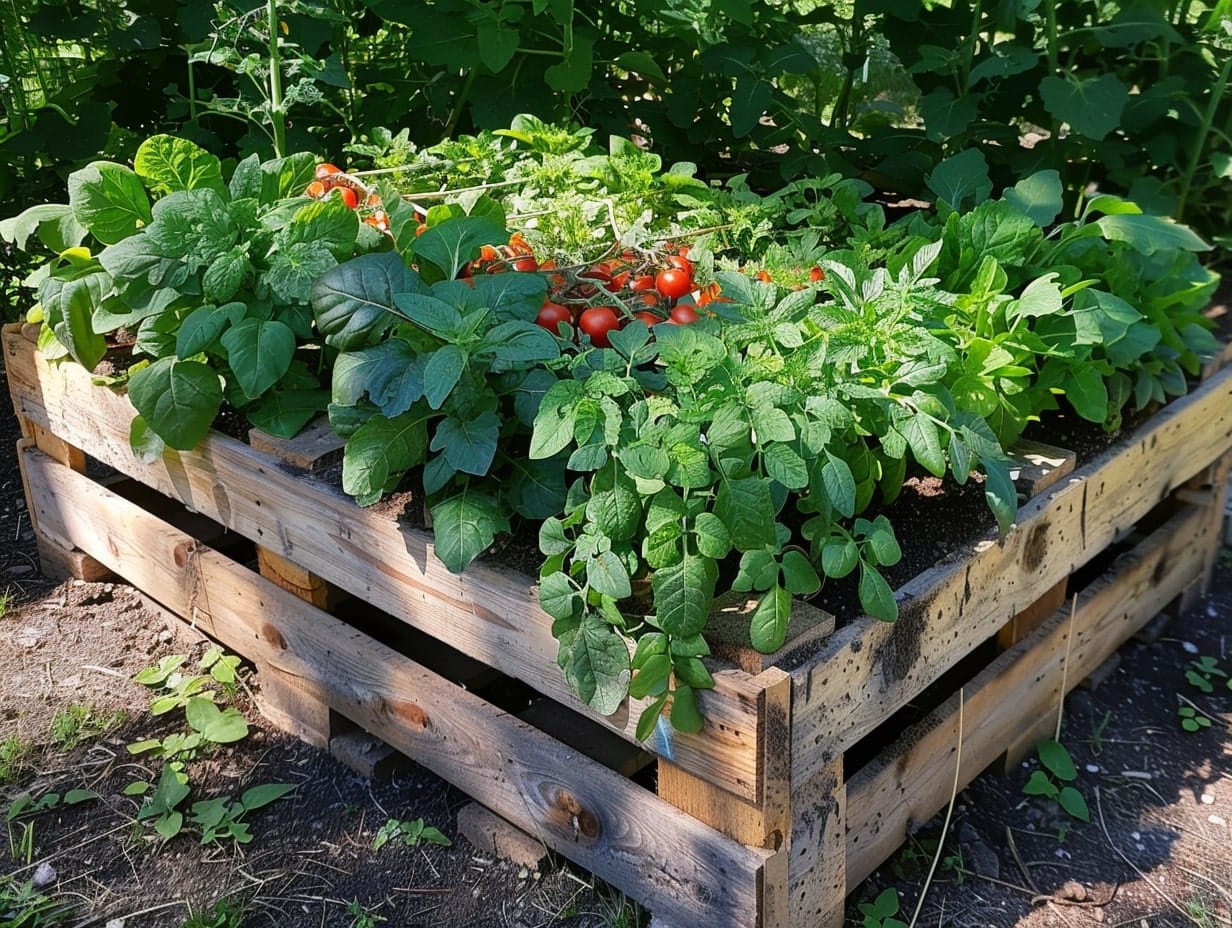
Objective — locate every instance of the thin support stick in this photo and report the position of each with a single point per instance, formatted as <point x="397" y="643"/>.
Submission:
<point x="945" y="827"/>
<point x="1069" y="643"/>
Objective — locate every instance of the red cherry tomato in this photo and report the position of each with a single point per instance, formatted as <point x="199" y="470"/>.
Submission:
<point x="673" y="283"/>
<point x="682" y="315"/>
<point x="325" y="169"/>
<point x="601" y="272"/>
<point x="551" y="315"/>
<point x="651" y="319"/>
<point x="764" y="276"/>
<point x="525" y="264"/>
<point x="316" y="190"/>
<point x="620" y="280"/>
<point x="681" y="263"/>
<point x="649" y="298"/>
<point x="644" y="282"/>
<point x="349" y="197"/>
<point x="488" y="253"/>
<point x="597" y="322"/>
<point x="816" y="274"/>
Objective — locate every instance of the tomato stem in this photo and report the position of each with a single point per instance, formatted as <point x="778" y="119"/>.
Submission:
<point x="278" y="116"/>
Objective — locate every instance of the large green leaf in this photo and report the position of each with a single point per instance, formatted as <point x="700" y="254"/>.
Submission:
<point x="962" y="179"/>
<point x="1040" y="196"/>
<point x="595" y="661"/>
<point x="68" y="308"/>
<point x="749" y="101"/>
<point x="167" y="164"/>
<point x="465" y="525"/>
<point x="768" y="625"/>
<point x="683" y="594"/>
<point x="354" y="302"/>
<point x="1149" y="234"/>
<point x="1092" y="107"/>
<point x="259" y="352"/>
<point x="178" y="399"/>
<point x="744" y="505"/>
<point x="328" y="222"/>
<point x="391" y="373"/>
<point x="109" y="200"/>
<point x="451" y="244"/>
<point x="222" y="726"/>
<point x="295" y="268"/>
<point x="381" y="450"/>
<point x="468" y="444"/>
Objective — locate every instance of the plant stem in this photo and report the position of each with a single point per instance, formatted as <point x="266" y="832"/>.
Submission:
<point x="278" y="116"/>
<point x="1050" y="11"/>
<point x="458" y="105"/>
<point x="1199" y="143"/>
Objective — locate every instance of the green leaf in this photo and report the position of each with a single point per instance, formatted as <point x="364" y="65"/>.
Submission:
<point x="391" y="373"/>
<point x="69" y="307"/>
<point x="946" y="115"/>
<point x="573" y="73"/>
<point x="1056" y="760"/>
<point x="167" y="164"/>
<point x="745" y="507"/>
<point x="381" y="450"/>
<point x="876" y="597"/>
<point x="328" y="222"/>
<point x="1000" y="493"/>
<point x="1087" y="393"/>
<point x="465" y="526"/>
<point x="259" y="353"/>
<point x="221" y="726"/>
<point x="692" y="672"/>
<point x="595" y="661"/>
<point x="640" y="63"/>
<point x="713" y="539"/>
<point x="178" y="399"/>
<point x="453" y="243"/>
<point x="169" y="825"/>
<point x="1149" y="234"/>
<point x="607" y="574"/>
<point x="785" y="465"/>
<point x="649" y="719"/>
<point x="749" y="101"/>
<point x="263" y="795"/>
<point x="685" y="715"/>
<point x="1040" y="196"/>
<point x="799" y="575"/>
<point x="354" y="302"/>
<point x="961" y="180"/>
<point x="924" y="438"/>
<point x="839" y="557"/>
<point x="469" y="444"/>
<point x="1092" y="107"/>
<point x="75" y="796"/>
<point x="558" y="597"/>
<point x="840" y="485"/>
<point x="1038" y="784"/>
<point x="616" y="512"/>
<point x="109" y="200"/>
<point x="498" y="42"/>
<point x="768" y="624"/>
<point x="294" y="269"/>
<point x="1072" y="802"/>
<point x="652" y="677"/>
<point x="683" y="594"/>
<point x="442" y="373"/>
<point x="226" y="273"/>
<point x="518" y="343"/>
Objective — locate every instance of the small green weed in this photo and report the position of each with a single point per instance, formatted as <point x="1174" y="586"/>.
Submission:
<point x="227" y="912"/>
<point x="1097" y="734"/>
<point x="1191" y="719"/>
<point x="80" y="723"/>
<point x="218" y="819"/>
<point x="15" y="752"/>
<point x="25" y="806"/>
<point x="619" y="911"/>
<point x="362" y="917"/>
<point x="22" y="906"/>
<point x="881" y="911"/>
<point x="1199" y="912"/>
<point x="6" y="598"/>
<point x="1052" y="782"/>
<point x="1205" y="674"/>
<point x="409" y="833"/>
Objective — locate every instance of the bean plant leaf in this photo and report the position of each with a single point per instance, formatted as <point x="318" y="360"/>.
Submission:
<point x="1040" y="196"/>
<point x="380" y="451"/>
<point x="222" y="726"/>
<point x="876" y="597"/>
<point x="1057" y="760"/>
<point x="683" y="594"/>
<point x="264" y="794"/>
<point x="962" y="179"/>
<point x="1092" y="107"/>
<point x="768" y="624"/>
<point x="595" y="661"/>
<point x="1073" y="802"/>
<point x="178" y="399"/>
<point x="469" y="444"/>
<point x="450" y="244"/>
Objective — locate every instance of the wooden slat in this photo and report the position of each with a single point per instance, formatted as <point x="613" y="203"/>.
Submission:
<point x="1035" y="466"/>
<point x="315" y="448"/>
<point x="489" y="612"/>
<point x="679" y="867"/>
<point x="727" y="632"/>
<point x="910" y="781"/>
<point x="817" y="865"/>
<point x="869" y="669"/>
<point x="1031" y="618"/>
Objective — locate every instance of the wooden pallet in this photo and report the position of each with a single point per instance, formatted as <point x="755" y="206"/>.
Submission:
<point x="755" y="822"/>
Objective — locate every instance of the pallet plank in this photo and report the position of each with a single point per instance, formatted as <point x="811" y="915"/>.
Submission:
<point x="910" y="781"/>
<point x="602" y="821"/>
<point x="490" y="613"/>
<point x="869" y="669"/>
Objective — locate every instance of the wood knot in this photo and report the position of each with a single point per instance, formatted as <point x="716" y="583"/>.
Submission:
<point x="412" y="713"/>
<point x="181" y="554"/>
<point x="576" y="817"/>
<point x="273" y="636"/>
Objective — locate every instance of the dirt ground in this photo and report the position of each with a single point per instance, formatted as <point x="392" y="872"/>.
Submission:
<point x="1157" y="851"/>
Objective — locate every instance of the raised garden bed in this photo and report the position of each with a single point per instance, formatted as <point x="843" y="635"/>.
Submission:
<point x="765" y="818"/>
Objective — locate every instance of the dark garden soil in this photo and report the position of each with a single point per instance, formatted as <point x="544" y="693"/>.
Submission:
<point x="1158" y="851"/>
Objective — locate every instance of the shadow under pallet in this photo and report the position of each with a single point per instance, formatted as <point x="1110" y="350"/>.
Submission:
<point x="808" y="772"/>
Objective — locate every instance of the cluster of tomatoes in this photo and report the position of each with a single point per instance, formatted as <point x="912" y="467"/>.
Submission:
<point x="607" y="295"/>
<point x="354" y="193"/>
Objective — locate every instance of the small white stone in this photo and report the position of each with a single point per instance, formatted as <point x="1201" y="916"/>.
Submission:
<point x="1216" y="819"/>
<point x="1136" y="835"/>
<point x="1190" y="647"/>
<point x="1092" y="768"/>
<point x="1062" y="854"/>
<point x="44" y="875"/>
<point x="1208" y="799"/>
<point x="115" y="923"/>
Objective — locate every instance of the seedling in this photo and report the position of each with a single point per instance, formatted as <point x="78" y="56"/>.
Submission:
<point x="881" y="911"/>
<point x="80" y="723"/>
<point x="221" y="818"/>
<point x="361" y="916"/>
<point x="1192" y="719"/>
<point x="22" y="906"/>
<point x="227" y="912"/>
<point x="14" y="752"/>
<point x="1204" y="672"/>
<point x="409" y="833"/>
<point x="1050" y="782"/>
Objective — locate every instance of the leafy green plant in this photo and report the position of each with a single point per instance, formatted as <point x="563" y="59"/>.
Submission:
<point x="79" y="723"/>
<point x="409" y="833"/>
<point x="1191" y="719"/>
<point x="1203" y="673"/>
<point x="24" y="807"/>
<point x="1053" y="782"/>
<point x="226" y="912"/>
<point x="221" y="818"/>
<point x="195" y="694"/>
<point x="22" y="906"/>
<point x="881" y="912"/>
<point x="362" y="916"/>
<point x="15" y="752"/>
